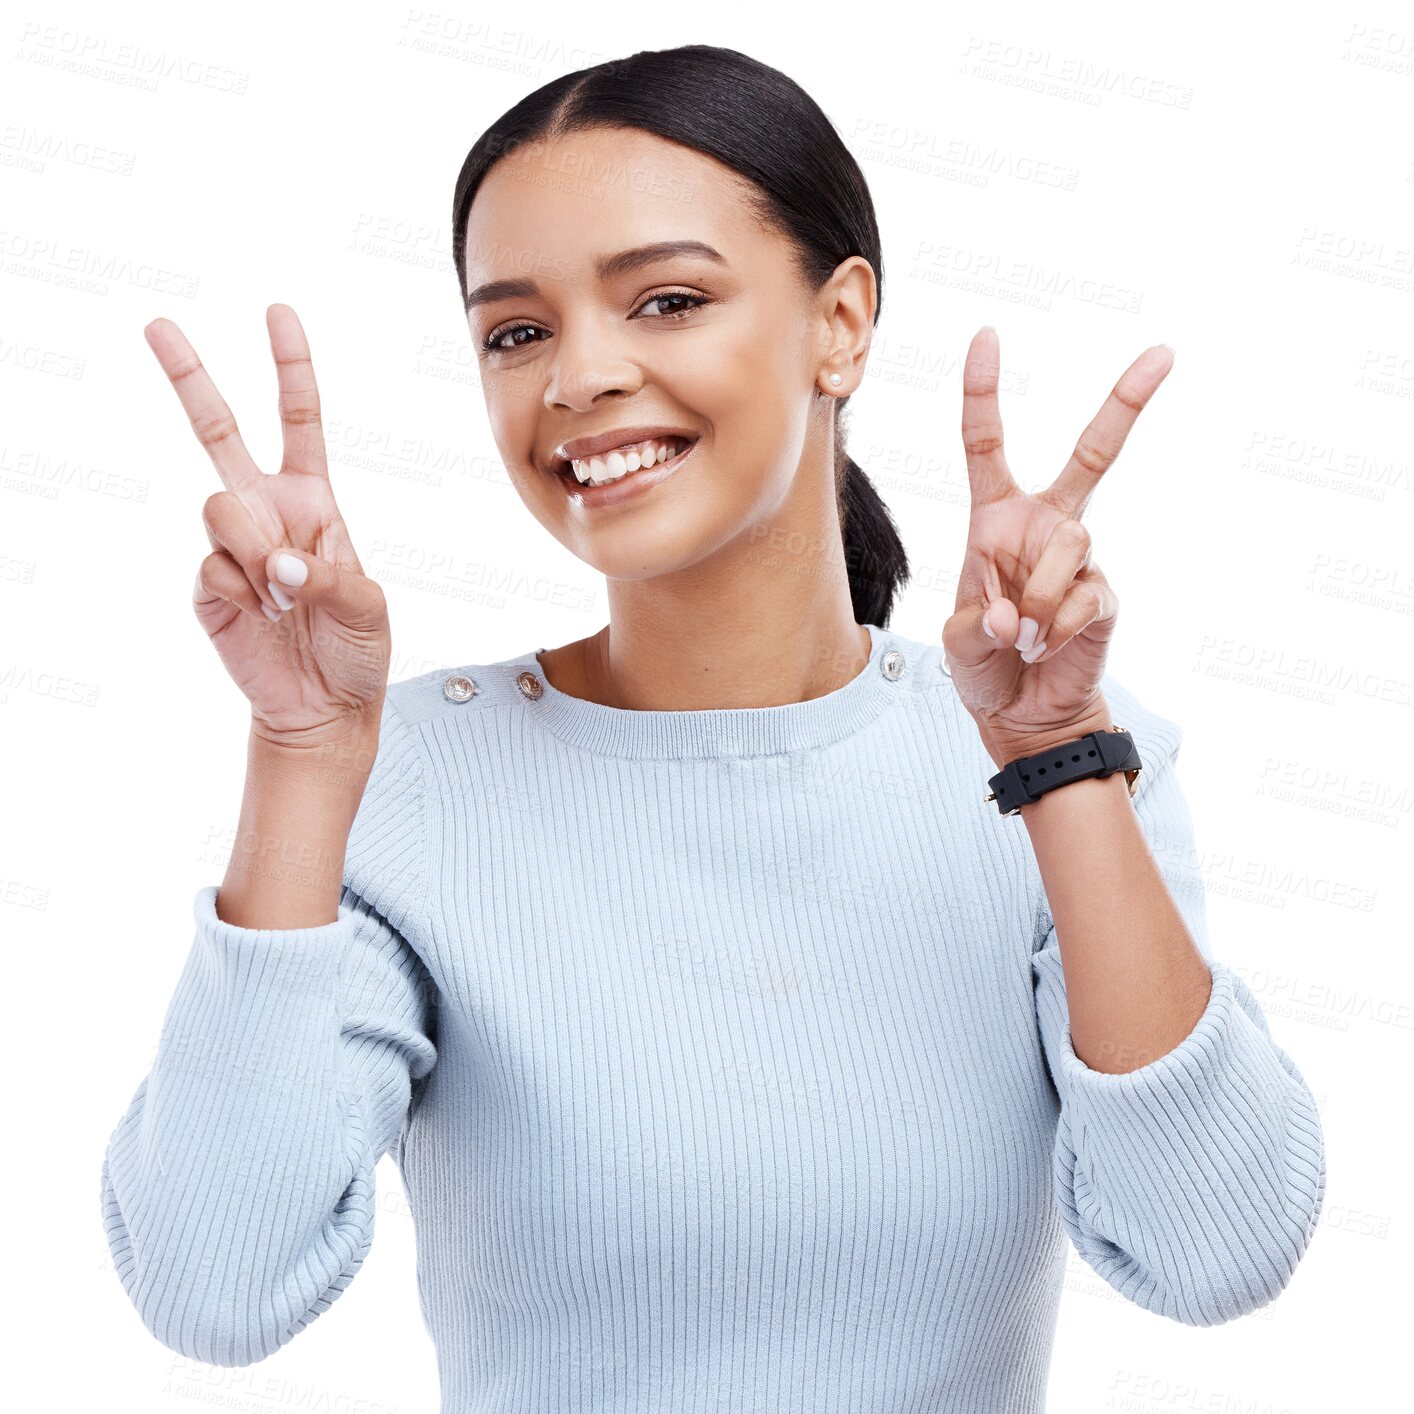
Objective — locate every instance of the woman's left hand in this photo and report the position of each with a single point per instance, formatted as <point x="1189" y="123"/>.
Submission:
<point x="1028" y="562"/>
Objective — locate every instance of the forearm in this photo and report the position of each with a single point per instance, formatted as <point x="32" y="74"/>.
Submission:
<point x="1135" y="981"/>
<point x="286" y="870"/>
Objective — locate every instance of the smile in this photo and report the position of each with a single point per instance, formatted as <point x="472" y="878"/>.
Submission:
<point x="625" y="472"/>
<point x="600" y="470"/>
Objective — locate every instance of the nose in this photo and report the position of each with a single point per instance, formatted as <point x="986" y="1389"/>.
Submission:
<point x="585" y="367"/>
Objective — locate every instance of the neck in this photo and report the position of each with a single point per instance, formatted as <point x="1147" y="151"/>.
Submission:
<point x="701" y="659"/>
<point x="766" y="620"/>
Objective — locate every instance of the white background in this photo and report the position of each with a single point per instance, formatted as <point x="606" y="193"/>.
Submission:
<point x="1235" y="184"/>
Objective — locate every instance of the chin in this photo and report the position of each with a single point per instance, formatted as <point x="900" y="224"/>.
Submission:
<point x="646" y="547"/>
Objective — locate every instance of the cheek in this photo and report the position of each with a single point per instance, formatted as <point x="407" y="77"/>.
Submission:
<point x="510" y="411"/>
<point x="746" y="387"/>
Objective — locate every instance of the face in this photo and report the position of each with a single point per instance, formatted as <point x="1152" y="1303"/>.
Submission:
<point x="718" y="343"/>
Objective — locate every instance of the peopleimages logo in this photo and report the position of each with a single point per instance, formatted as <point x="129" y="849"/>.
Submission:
<point x="118" y="61"/>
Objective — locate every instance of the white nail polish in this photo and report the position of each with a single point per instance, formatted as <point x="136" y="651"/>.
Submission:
<point x="291" y="570"/>
<point x="270" y="613"/>
<point x="1034" y="652"/>
<point x="987" y="628"/>
<point x="282" y="600"/>
<point x="1027" y="636"/>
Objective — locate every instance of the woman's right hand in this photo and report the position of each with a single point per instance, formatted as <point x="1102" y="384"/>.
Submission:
<point x="319" y="671"/>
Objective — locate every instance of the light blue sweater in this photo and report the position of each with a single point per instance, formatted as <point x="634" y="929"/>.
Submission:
<point x="724" y="1056"/>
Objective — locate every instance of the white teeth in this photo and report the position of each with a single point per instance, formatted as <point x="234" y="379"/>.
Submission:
<point x="595" y="471"/>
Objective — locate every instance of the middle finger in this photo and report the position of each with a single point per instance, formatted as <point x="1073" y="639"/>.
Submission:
<point x="300" y="418"/>
<point x="1101" y="441"/>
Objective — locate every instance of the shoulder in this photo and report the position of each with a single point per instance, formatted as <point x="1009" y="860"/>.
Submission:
<point x="1158" y="737"/>
<point x="441" y="730"/>
<point x="461" y="689"/>
<point x="416" y="769"/>
<point x="924" y="672"/>
<point x="408" y="754"/>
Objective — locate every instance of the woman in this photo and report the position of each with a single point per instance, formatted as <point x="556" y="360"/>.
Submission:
<point x="735" y="1052"/>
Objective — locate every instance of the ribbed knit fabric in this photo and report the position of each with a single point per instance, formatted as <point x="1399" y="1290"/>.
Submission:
<point x="724" y="1055"/>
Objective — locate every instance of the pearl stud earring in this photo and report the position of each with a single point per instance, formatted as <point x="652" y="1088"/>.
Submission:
<point x="836" y="379"/>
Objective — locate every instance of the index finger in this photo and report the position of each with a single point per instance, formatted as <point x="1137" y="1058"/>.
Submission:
<point x="1101" y="441"/>
<point x="211" y="419"/>
<point x="300" y="420"/>
<point x="987" y="470"/>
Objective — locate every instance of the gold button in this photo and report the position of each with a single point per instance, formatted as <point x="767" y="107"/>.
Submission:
<point x="529" y="684"/>
<point x="458" y="688"/>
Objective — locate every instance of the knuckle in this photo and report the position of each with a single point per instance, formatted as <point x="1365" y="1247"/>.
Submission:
<point x="299" y="414"/>
<point x="215" y="507"/>
<point x="1090" y="456"/>
<point x="984" y="441"/>
<point x="210" y="574"/>
<point x="217" y="428"/>
<point x="367" y="594"/>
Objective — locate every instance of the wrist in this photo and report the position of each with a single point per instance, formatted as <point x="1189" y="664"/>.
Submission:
<point x="1007" y="745"/>
<point x="287" y="863"/>
<point x="336" y="767"/>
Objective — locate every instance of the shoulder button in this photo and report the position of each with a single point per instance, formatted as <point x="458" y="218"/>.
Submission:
<point x="529" y="684"/>
<point x="459" y="688"/>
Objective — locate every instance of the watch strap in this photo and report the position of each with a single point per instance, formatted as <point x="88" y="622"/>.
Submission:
<point x="1098" y="753"/>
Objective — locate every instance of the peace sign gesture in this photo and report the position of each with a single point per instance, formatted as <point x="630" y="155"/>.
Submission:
<point x="1027" y="642"/>
<point x="282" y="595"/>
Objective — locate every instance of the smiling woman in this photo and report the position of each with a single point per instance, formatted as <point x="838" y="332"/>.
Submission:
<point x="753" y="258"/>
<point x="734" y="1052"/>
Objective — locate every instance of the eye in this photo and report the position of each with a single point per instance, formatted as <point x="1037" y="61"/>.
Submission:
<point x="489" y="344"/>
<point x="492" y="343"/>
<point x="695" y="302"/>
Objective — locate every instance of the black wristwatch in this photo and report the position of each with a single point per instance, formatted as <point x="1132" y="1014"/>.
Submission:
<point x="1101" y="753"/>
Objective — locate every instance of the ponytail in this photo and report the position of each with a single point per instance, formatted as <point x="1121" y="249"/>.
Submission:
<point x="874" y="557"/>
<point x="873" y="553"/>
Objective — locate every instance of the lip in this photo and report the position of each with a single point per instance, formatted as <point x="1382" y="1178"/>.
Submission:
<point x="628" y="486"/>
<point x="578" y="448"/>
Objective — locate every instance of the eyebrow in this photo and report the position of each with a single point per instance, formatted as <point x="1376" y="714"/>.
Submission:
<point x="608" y="267"/>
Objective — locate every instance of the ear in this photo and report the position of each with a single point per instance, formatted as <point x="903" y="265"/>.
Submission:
<point x="848" y="303"/>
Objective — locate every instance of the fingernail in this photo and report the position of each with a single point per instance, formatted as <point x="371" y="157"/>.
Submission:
<point x="1027" y="636"/>
<point x="1034" y="652"/>
<point x="270" y="613"/>
<point x="278" y="595"/>
<point x="987" y="628"/>
<point x="291" y="570"/>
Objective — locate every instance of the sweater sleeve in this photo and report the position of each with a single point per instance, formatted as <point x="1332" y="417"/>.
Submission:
<point x="237" y="1191"/>
<point x="1194" y="1183"/>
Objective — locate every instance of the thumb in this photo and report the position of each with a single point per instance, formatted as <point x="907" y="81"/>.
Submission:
<point x="298" y="578"/>
<point x="966" y="639"/>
